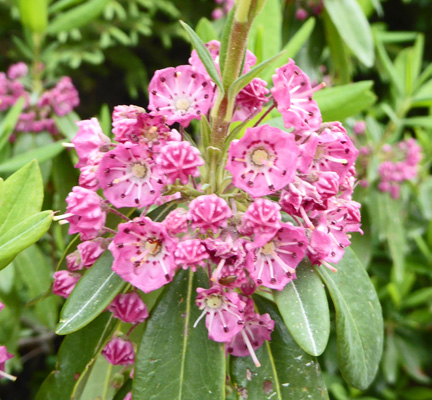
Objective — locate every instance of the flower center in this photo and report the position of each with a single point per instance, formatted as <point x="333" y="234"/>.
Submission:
<point x="139" y="170"/>
<point x="268" y="248"/>
<point x="214" y="301"/>
<point x="260" y="157"/>
<point x="151" y="133"/>
<point x="319" y="152"/>
<point x="153" y="246"/>
<point x="182" y="104"/>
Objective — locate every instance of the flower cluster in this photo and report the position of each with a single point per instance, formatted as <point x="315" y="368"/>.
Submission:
<point x="38" y="111"/>
<point x="223" y="8"/>
<point x="283" y="194"/>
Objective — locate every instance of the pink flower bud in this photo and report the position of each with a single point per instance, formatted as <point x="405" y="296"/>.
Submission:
<point x="119" y="352"/>
<point x="64" y="282"/>
<point x="129" y="308"/>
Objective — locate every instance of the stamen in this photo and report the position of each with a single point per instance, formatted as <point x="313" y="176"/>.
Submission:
<point x="250" y="348"/>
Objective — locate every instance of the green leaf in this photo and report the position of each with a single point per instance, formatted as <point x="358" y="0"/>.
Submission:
<point x="305" y="311"/>
<point x="389" y="67"/>
<point x="390" y="359"/>
<point x="34" y="14"/>
<point x="92" y="294"/>
<point x="7" y="125"/>
<point x="225" y="39"/>
<point x="22" y="196"/>
<point x="41" y="154"/>
<point x="299" y="39"/>
<point x="418" y="298"/>
<point x="269" y="22"/>
<point x="23" y="235"/>
<point x="341" y="102"/>
<point x="425" y="122"/>
<point x="204" y="55"/>
<point x="67" y="125"/>
<point x="77" y="17"/>
<point x="205" y="30"/>
<point x="173" y="351"/>
<point x="353" y="27"/>
<point x="359" y="322"/>
<point x="105" y="119"/>
<point x="243" y="80"/>
<point x="98" y="384"/>
<point x="75" y="357"/>
<point x="36" y="272"/>
<point x="286" y="371"/>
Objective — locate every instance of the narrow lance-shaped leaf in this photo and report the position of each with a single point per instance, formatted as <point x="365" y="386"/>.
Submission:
<point x="92" y="294"/>
<point x="34" y="14"/>
<point x="7" y="125"/>
<point x="225" y="39"/>
<point x="353" y="27"/>
<point x="204" y="55"/>
<point x="174" y="359"/>
<point x="305" y="311"/>
<point x="286" y="371"/>
<point x="359" y="322"/>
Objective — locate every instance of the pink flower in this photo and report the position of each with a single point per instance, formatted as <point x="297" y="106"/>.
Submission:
<point x="4" y="356"/>
<point x="292" y="92"/>
<point x="272" y="263"/>
<point x="359" y="127"/>
<point x="250" y="99"/>
<point x="262" y="218"/>
<point x="17" y="70"/>
<point x="179" y="160"/>
<point x="128" y="396"/>
<point x="223" y="312"/>
<point x="129" y="308"/>
<point x="301" y="14"/>
<point x="129" y="176"/>
<point x="263" y="161"/>
<point x="209" y="212"/>
<point x="180" y="94"/>
<point x="119" y="351"/>
<point x="1" y="306"/>
<point x="90" y="142"/>
<point x="190" y="253"/>
<point x="144" y="254"/>
<point x="64" y="282"/>
<point x="73" y="261"/>
<point x="84" y="212"/>
<point x="64" y="96"/>
<point x="176" y="221"/>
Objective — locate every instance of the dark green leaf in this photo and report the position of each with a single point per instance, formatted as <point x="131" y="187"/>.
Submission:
<point x="173" y="357"/>
<point x="341" y="102"/>
<point x="41" y="154"/>
<point x="305" y="311"/>
<point x="7" y="125"/>
<point x="359" y="323"/>
<point x="92" y="294"/>
<point x="286" y="371"/>
<point x="353" y="27"/>
<point x="204" y="55"/>
<point x="75" y="357"/>
<point x="77" y="17"/>
<point x="23" y="235"/>
<point x="22" y="196"/>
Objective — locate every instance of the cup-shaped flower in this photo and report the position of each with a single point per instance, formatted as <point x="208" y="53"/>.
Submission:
<point x="144" y="254"/>
<point x="190" y="253"/>
<point x="263" y="161"/>
<point x="176" y="221"/>
<point x="180" y="94"/>
<point x="129" y="177"/>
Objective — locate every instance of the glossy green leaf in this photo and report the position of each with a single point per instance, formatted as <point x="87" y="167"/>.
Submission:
<point x="23" y="235"/>
<point x="359" y="322"/>
<point x="7" y="124"/>
<point x="286" y="371"/>
<point x="341" y="102"/>
<point x="36" y="272"/>
<point x="305" y="311"/>
<point x="34" y="14"/>
<point x="269" y="23"/>
<point x="173" y="356"/>
<point x="92" y="294"/>
<point x="41" y="154"/>
<point x="353" y="27"/>
<point x="204" y="55"/>
<point x="77" y="17"/>
<point x="205" y="30"/>
<point x="76" y="357"/>
<point x="22" y="196"/>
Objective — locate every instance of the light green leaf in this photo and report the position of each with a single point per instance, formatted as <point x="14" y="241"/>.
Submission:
<point x="98" y="385"/>
<point x="92" y="294"/>
<point x="171" y="348"/>
<point x="205" y="30"/>
<point x="286" y="371"/>
<point x="305" y="311"/>
<point x="204" y="55"/>
<point x="76" y="357"/>
<point x="7" y="125"/>
<point x="353" y="27"/>
<point x="390" y="359"/>
<point x="34" y="14"/>
<point x="425" y="122"/>
<point x="22" y="196"/>
<point x="341" y="102"/>
<point x="41" y="154"/>
<point x="77" y="17"/>
<point x="67" y="125"/>
<point x="225" y="39"/>
<point x="23" y="235"/>
<point x="359" y="322"/>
